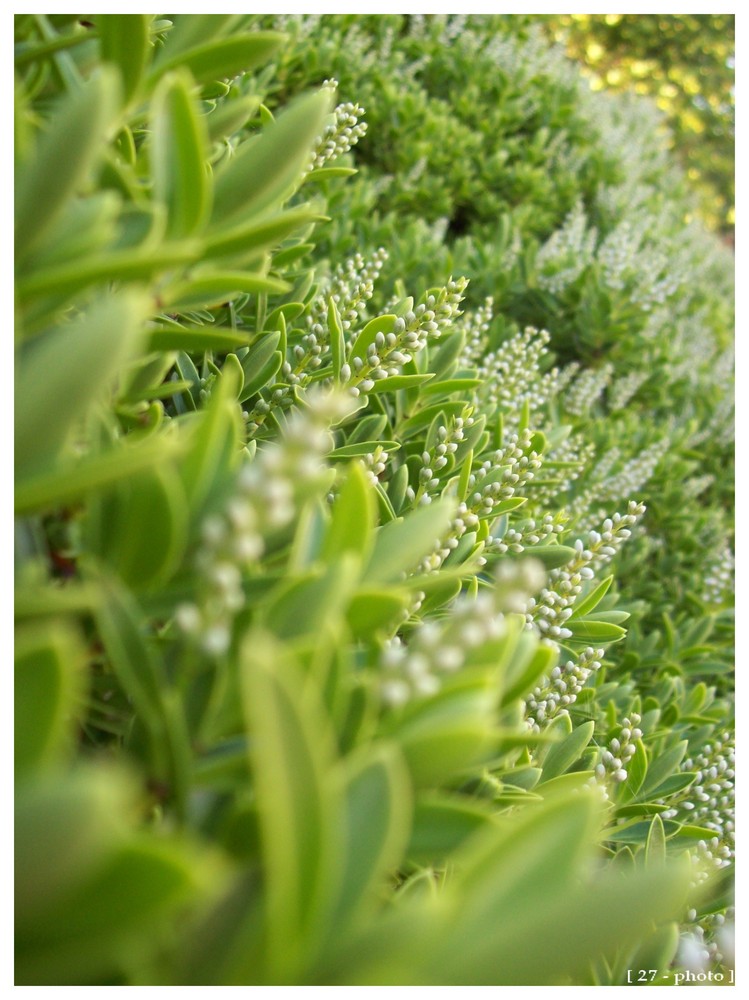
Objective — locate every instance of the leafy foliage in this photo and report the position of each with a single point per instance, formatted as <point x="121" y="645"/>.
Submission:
<point x="322" y="673"/>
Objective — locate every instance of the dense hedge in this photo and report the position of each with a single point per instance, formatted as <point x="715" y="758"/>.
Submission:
<point x="374" y="532"/>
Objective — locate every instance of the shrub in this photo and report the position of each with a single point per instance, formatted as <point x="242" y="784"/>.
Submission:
<point x="317" y="657"/>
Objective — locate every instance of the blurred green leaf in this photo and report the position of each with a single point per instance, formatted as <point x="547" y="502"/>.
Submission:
<point x="63" y="159"/>
<point x="561" y="756"/>
<point x="377" y="804"/>
<point x="401" y="543"/>
<point x="141" y="527"/>
<point x="268" y="165"/>
<point x="298" y="805"/>
<point x="220" y="59"/>
<point x="352" y="517"/>
<point x="124" y="43"/>
<point x="48" y="681"/>
<point x="260" y="235"/>
<point x="180" y="175"/>
<point x="64" y="372"/>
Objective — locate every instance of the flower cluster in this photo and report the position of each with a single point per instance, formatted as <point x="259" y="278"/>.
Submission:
<point x="351" y="287"/>
<point x="555" y="604"/>
<point x="567" y="252"/>
<point x="620" y="751"/>
<point x="475" y="326"/>
<point x="529" y="532"/>
<point x="563" y="464"/>
<point x="658" y="279"/>
<point x="555" y="693"/>
<point x="587" y="389"/>
<point x="497" y="478"/>
<point x="719" y="579"/>
<point x="608" y="486"/>
<point x="720" y="428"/>
<point x="387" y="354"/>
<point x="710" y="802"/>
<point x="617" y="256"/>
<point x="343" y="132"/>
<point x="706" y="944"/>
<point x="434" y="650"/>
<point x="375" y="464"/>
<point x="510" y="375"/>
<point x="435" y="460"/>
<point x="624" y="388"/>
<point x="266" y="496"/>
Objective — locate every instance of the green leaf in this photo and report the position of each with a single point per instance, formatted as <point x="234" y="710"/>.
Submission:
<point x="446" y="734"/>
<point x="195" y="340"/>
<point x="657" y="952"/>
<point x="327" y="173"/>
<point x="395" y="382"/>
<point x="221" y="59"/>
<point x="593" y="599"/>
<point x="595" y="631"/>
<point x="120" y="622"/>
<point x="48" y="680"/>
<point x="452" y="385"/>
<point x="267" y="166"/>
<point x="140" y="528"/>
<point x="360" y="448"/>
<point x="257" y="236"/>
<point x="84" y="939"/>
<point x="113" y="265"/>
<point x="256" y="363"/>
<point x="64" y="158"/>
<point x="442" y="823"/>
<point x="302" y="606"/>
<point x="352" y="521"/>
<point x="637" y="769"/>
<point x="262" y="376"/>
<point x="76" y="480"/>
<point x="663" y="766"/>
<point x="423" y="418"/>
<point x="337" y="340"/>
<point x="506" y="506"/>
<point x="377" y="809"/>
<point x="228" y="117"/>
<point x="371" y="610"/>
<point x="63" y="373"/>
<point x="611" y="617"/>
<point x="530" y="661"/>
<point x="124" y="42"/>
<point x="581" y="924"/>
<point x="561" y="756"/>
<point x="213" y="449"/>
<point x="553" y="556"/>
<point x="676" y="783"/>
<point x="540" y="846"/>
<point x="191" y="30"/>
<point x="33" y="600"/>
<point x="369" y="429"/>
<point x="84" y="227"/>
<point x="178" y="152"/>
<point x="207" y="289"/>
<point x="400" y="544"/>
<point x="297" y="803"/>
<point x="64" y="828"/>
<point x="655" y="846"/>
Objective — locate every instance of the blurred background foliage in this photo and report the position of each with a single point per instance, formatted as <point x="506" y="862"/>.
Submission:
<point x="687" y="63"/>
